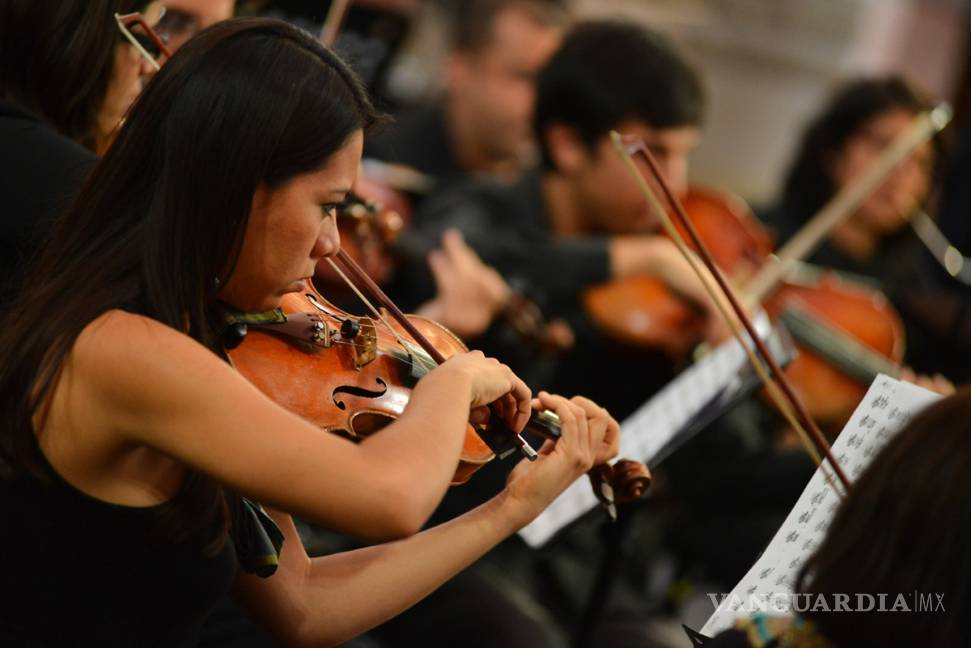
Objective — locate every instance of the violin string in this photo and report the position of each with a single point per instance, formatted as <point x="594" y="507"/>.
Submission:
<point x="419" y="356"/>
<point x="403" y="358"/>
<point x="693" y="261"/>
<point x="367" y="302"/>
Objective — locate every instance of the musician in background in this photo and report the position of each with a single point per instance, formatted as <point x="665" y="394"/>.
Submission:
<point x="184" y="19"/>
<point x="579" y="219"/>
<point x="876" y="242"/>
<point x="482" y="125"/>
<point x="67" y="77"/>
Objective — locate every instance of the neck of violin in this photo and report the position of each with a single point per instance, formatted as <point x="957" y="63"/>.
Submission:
<point x="839" y="348"/>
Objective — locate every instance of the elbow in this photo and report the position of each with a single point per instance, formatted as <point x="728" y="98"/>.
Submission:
<point x="402" y="525"/>
<point x="397" y="510"/>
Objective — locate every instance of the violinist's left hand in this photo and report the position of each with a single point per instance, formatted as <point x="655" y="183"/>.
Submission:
<point x="596" y="417"/>
<point x="936" y="383"/>
<point x="588" y="436"/>
<point x="469" y="292"/>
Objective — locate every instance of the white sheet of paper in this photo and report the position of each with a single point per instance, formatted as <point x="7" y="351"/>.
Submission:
<point x="649" y="428"/>
<point x="887" y="406"/>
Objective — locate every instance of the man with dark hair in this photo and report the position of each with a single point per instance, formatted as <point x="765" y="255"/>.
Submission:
<point x="483" y="122"/>
<point x="580" y="219"/>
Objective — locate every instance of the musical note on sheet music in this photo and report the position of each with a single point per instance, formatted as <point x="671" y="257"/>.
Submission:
<point x="888" y="405"/>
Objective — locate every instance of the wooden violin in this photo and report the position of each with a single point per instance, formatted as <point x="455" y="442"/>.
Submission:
<point x="846" y="332"/>
<point x="643" y="312"/>
<point x="353" y="376"/>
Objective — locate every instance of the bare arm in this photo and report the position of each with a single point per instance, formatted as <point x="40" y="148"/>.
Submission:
<point x="327" y="600"/>
<point x="148" y="384"/>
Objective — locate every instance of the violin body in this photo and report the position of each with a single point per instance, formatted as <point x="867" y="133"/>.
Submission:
<point x="354" y="381"/>
<point x="645" y="313"/>
<point x="828" y="380"/>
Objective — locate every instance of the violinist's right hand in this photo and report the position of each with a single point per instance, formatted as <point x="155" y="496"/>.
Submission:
<point x="492" y="383"/>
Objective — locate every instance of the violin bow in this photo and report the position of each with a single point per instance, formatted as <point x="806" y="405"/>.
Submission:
<point x="816" y="444"/>
<point x="334" y="21"/>
<point x="925" y="126"/>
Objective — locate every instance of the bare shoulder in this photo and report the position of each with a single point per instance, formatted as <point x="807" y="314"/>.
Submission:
<point x="133" y="360"/>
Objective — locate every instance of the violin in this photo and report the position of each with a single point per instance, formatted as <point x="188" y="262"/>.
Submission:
<point x="353" y="375"/>
<point x="643" y="312"/>
<point x="845" y="332"/>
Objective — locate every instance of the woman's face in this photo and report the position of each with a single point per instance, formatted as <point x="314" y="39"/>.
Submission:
<point x="884" y="211"/>
<point x="290" y="229"/>
<point x="129" y="73"/>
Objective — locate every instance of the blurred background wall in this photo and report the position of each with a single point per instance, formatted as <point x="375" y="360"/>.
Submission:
<point x="769" y="65"/>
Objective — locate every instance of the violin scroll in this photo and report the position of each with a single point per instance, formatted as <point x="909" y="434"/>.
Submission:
<point x="622" y="482"/>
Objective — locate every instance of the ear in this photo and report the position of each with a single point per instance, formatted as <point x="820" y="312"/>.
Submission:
<point x="567" y="149"/>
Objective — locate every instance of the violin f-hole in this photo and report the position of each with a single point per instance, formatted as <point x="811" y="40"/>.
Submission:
<point x="358" y="391"/>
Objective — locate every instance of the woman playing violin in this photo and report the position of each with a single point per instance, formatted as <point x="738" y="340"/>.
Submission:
<point x="875" y="242"/>
<point x="128" y="437"/>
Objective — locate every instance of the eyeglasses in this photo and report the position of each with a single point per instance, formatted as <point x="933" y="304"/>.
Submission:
<point x="143" y="38"/>
<point x="176" y="27"/>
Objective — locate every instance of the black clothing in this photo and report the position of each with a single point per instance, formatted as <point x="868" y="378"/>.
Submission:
<point x="40" y="171"/>
<point x="508" y="225"/>
<point x="956" y="196"/>
<point x="84" y="572"/>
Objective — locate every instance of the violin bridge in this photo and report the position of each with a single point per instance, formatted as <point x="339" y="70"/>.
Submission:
<point x="365" y="343"/>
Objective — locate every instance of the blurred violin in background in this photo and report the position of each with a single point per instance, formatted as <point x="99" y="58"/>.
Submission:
<point x="373" y="224"/>
<point x="644" y="312"/>
<point x="845" y="332"/>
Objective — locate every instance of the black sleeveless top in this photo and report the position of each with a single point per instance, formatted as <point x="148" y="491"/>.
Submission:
<point x="78" y="571"/>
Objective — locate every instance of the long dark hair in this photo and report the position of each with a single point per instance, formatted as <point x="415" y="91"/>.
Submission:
<point x="905" y="528"/>
<point x="161" y="219"/>
<point x="57" y="59"/>
<point x="808" y="184"/>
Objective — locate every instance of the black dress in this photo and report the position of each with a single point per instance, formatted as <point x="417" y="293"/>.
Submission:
<point x="40" y="172"/>
<point x="83" y="572"/>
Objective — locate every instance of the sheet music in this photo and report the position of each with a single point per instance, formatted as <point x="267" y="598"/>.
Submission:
<point x="888" y="405"/>
<point x="649" y="428"/>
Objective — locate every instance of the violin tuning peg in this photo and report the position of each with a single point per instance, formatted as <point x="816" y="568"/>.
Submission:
<point x="350" y="329"/>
